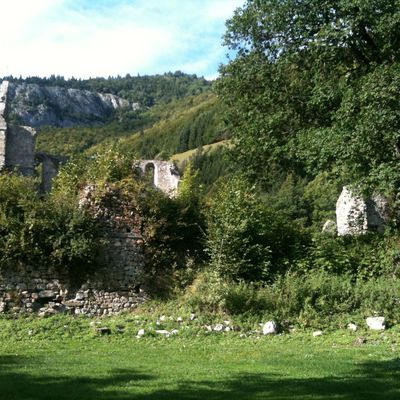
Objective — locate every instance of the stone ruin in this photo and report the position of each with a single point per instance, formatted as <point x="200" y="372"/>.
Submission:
<point x="356" y="215"/>
<point x="17" y="147"/>
<point x="17" y="152"/>
<point x="116" y="285"/>
<point x="166" y="176"/>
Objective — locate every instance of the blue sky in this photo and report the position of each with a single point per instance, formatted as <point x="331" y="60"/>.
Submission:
<point x="88" y="38"/>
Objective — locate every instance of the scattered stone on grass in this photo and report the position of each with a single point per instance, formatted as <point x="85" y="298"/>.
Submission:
<point x="317" y="333"/>
<point x="141" y="333"/>
<point x="218" y="328"/>
<point x="270" y="328"/>
<point x="376" y="323"/>
<point x="179" y="319"/>
<point x="163" y="332"/>
<point x="192" y="317"/>
<point x="352" y="327"/>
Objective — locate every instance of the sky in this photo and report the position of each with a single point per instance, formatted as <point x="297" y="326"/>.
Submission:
<point x="91" y="38"/>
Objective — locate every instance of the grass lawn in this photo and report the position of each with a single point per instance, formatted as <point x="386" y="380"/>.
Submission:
<point x="215" y="366"/>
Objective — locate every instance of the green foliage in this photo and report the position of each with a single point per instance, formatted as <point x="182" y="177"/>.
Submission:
<point x="39" y="231"/>
<point x="314" y="85"/>
<point x="365" y="257"/>
<point x="315" y="299"/>
<point x="246" y="239"/>
<point x="321" y="195"/>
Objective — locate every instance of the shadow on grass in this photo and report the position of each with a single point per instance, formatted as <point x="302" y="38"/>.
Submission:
<point x="374" y="380"/>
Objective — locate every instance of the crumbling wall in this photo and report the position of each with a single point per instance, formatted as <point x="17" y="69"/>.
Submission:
<point x="47" y="291"/>
<point x="356" y="215"/>
<point x="113" y="286"/>
<point x="3" y="123"/>
<point x="17" y="143"/>
<point x="50" y="166"/>
<point x="20" y="149"/>
<point x="166" y="175"/>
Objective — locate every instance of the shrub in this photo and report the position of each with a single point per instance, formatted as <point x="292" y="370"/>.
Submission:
<point x="48" y="230"/>
<point x="246" y="239"/>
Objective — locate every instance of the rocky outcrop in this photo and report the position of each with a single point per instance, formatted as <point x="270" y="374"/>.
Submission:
<point x="36" y="106"/>
<point x="355" y="215"/>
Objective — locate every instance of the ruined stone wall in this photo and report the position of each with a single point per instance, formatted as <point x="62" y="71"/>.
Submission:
<point x="356" y="215"/>
<point x="113" y="285"/>
<point x="3" y="124"/>
<point x="166" y="176"/>
<point x="112" y="288"/>
<point x="20" y="149"/>
<point x="50" y="167"/>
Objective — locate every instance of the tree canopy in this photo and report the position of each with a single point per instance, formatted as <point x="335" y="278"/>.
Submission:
<point x="315" y="87"/>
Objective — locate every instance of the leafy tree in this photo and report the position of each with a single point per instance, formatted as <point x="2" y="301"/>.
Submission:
<point x="246" y="238"/>
<point x="315" y="84"/>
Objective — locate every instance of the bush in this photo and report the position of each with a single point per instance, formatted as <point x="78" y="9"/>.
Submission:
<point x="48" y="230"/>
<point x="315" y="299"/>
<point x="246" y="239"/>
<point x="366" y="256"/>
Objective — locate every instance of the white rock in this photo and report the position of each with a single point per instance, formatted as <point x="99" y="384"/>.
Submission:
<point x="162" y="318"/>
<point x="163" y="332"/>
<point x="141" y="332"/>
<point x="351" y="213"/>
<point x="209" y="328"/>
<point x="192" y="317"/>
<point x="376" y="323"/>
<point x="218" y="328"/>
<point x="317" y="333"/>
<point x="174" y="332"/>
<point x="227" y="329"/>
<point x="179" y="319"/>
<point x="352" y="327"/>
<point x="270" y="328"/>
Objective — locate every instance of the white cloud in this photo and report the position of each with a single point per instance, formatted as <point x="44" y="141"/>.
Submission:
<point x="85" y="38"/>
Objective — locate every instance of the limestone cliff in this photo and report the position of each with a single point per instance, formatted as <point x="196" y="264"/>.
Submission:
<point x="36" y="106"/>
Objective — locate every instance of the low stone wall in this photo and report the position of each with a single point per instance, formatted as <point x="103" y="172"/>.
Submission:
<point x="112" y="288"/>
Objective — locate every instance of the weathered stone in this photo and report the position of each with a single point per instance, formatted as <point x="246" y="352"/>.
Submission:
<point x="218" y="328"/>
<point x="163" y="332"/>
<point x="376" y="323"/>
<point x="141" y="332"/>
<point x="270" y="328"/>
<point x="352" y="327"/>
<point x="356" y="216"/>
<point x="37" y="105"/>
<point x="317" y="333"/>
<point x="47" y="294"/>
<point x="351" y="213"/>
<point x="166" y="176"/>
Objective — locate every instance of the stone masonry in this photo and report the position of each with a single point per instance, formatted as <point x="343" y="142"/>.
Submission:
<point x="3" y="124"/>
<point x="17" y="143"/>
<point x="47" y="291"/>
<point x="166" y="176"/>
<point x="356" y="215"/>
